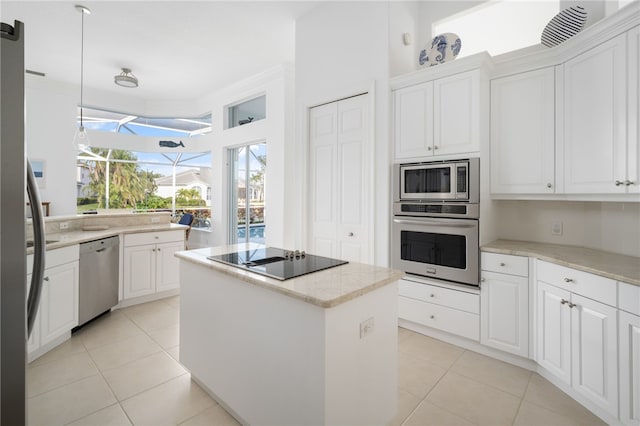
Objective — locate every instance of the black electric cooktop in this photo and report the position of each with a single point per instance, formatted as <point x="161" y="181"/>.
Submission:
<point x="277" y="263"/>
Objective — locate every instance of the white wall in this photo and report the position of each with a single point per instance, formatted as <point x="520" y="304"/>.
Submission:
<point x="49" y="131"/>
<point x="341" y="51"/>
<point x="612" y="227"/>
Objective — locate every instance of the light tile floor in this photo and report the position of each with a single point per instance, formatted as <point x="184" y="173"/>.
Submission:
<point x="122" y="369"/>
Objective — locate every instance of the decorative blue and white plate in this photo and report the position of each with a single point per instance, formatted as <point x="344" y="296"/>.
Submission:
<point x="564" y="25"/>
<point x="443" y="48"/>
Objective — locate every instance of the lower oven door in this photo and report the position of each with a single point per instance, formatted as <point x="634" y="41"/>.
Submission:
<point x="446" y="249"/>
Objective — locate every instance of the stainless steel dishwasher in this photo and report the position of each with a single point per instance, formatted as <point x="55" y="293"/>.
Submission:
<point x="99" y="270"/>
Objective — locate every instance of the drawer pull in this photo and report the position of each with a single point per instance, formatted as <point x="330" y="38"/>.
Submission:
<point x="432" y="316"/>
<point x="503" y="264"/>
<point x="432" y="295"/>
<point x="568" y="280"/>
<point x="619" y="182"/>
<point x="562" y="302"/>
<point x="156" y="237"/>
<point x="45" y="279"/>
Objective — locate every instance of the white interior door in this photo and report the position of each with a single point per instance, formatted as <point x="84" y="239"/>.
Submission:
<point x="340" y="175"/>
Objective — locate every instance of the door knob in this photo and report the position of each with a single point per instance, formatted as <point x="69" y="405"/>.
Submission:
<point x="428" y="148"/>
<point x="549" y="185"/>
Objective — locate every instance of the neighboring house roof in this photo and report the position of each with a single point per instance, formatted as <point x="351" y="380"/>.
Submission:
<point x="188" y="177"/>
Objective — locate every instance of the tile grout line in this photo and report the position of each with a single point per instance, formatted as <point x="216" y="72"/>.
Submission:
<point x="522" y="399"/>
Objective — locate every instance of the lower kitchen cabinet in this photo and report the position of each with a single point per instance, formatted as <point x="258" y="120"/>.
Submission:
<point x="453" y="311"/>
<point x="149" y="262"/>
<point x="58" y="308"/>
<point x="577" y="336"/>
<point x="504" y="303"/>
<point x="629" y="368"/>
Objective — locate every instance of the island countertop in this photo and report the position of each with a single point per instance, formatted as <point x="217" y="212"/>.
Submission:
<point x="326" y="288"/>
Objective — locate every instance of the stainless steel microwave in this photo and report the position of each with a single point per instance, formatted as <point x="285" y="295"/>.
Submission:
<point x="457" y="180"/>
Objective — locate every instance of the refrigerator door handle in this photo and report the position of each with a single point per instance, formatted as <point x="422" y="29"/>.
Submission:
<point x="39" y="248"/>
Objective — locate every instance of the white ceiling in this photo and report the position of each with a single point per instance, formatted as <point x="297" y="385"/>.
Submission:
<point x="177" y="49"/>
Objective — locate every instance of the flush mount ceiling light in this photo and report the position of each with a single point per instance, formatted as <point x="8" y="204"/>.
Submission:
<point x="126" y="78"/>
<point x="81" y="138"/>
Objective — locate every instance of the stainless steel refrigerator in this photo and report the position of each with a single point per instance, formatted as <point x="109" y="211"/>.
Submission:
<point x="17" y="183"/>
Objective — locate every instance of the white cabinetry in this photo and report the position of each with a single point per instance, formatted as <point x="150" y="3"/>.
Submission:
<point x="149" y="262"/>
<point x="453" y="311"/>
<point x="523" y="133"/>
<point x="577" y="336"/>
<point x="633" y="114"/>
<point x="438" y="117"/>
<point x="504" y="303"/>
<point x="58" y="309"/>
<point x="629" y="336"/>
<point x="340" y="175"/>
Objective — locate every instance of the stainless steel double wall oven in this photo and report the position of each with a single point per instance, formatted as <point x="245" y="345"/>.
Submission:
<point x="435" y="219"/>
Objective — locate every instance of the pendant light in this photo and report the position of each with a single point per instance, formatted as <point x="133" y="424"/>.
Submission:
<point x="81" y="139"/>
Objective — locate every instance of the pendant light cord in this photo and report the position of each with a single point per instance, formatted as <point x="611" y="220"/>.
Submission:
<point x="82" y="71"/>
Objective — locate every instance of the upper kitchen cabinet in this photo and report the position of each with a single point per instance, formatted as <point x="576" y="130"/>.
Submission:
<point x="523" y="133"/>
<point x="633" y="114"/>
<point x="594" y="119"/>
<point x="438" y="111"/>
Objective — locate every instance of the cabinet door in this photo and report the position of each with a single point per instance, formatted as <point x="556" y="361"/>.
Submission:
<point x="167" y="276"/>
<point x="554" y="330"/>
<point x="413" y="121"/>
<point x="595" y="119"/>
<point x="139" y="271"/>
<point x="355" y="178"/>
<point x="633" y="114"/>
<point x="523" y="133"/>
<point x="594" y="329"/>
<point x="504" y="312"/>
<point x="456" y="112"/>
<point x="629" y="368"/>
<point x="59" y="302"/>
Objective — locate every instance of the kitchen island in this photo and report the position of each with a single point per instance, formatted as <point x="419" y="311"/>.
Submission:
<point x="316" y="349"/>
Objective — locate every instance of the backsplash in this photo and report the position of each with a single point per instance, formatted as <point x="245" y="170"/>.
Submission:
<point x="613" y="227"/>
<point x="77" y="223"/>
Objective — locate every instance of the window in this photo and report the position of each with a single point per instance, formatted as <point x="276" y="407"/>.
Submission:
<point x="247" y="206"/>
<point x="145" y="181"/>
<point x="108" y="121"/>
<point x="247" y="112"/>
<point x="499" y="26"/>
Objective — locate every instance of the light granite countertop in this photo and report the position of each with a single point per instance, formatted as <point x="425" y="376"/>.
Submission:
<point x="326" y="288"/>
<point x="611" y="265"/>
<point x="69" y="238"/>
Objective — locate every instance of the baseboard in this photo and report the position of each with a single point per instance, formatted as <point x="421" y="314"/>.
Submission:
<point x="147" y="298"/>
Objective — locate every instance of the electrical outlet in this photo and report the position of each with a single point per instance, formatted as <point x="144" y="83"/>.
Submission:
<point x="64" y="225"/>
<point x="155" y="220"/>
<point x="556" y="228"/>
<point x="366" y="328"/>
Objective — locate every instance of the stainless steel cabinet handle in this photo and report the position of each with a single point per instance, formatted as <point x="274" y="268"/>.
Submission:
<point x="619" y="182"/>
<point x="481" y="280"/>
<point x="153" y="250"/>
<point x="428" y="148"/>
<point x="502" y="264"/>
<point x="571" y="305"/>
<point x="157" y="237"/>
<point x="351" y="234"/>
<point x="435" y="147"/>
<point x="432" y="316"/>
<point x="568" y="280"/>
<point x="457" y="223"/>
<point x="629" y="182"/>
<point x="563" y="302"/>
<point x="549" y="185"/>
<point x="45" y="279"/>
<point x="432" y="295"/>
<point x="158" y="249"/>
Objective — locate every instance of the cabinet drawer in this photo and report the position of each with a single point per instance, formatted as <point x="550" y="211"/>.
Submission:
<point x="145" y="238"/>
<point x="505" y="264"/>
<point x="629" y="298"/>
<point x="56" y="257"/>
<point x="440" y="296"/>
<point x="594" y="287"/>
<point x="446" y="319"/>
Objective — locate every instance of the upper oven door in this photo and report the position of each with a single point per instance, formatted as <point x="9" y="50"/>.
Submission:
<point x="428" y="182"/>
<point x="439" y="248"/>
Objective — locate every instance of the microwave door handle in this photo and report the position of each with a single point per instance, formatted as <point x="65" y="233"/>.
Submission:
<point x="453" y="222"/>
